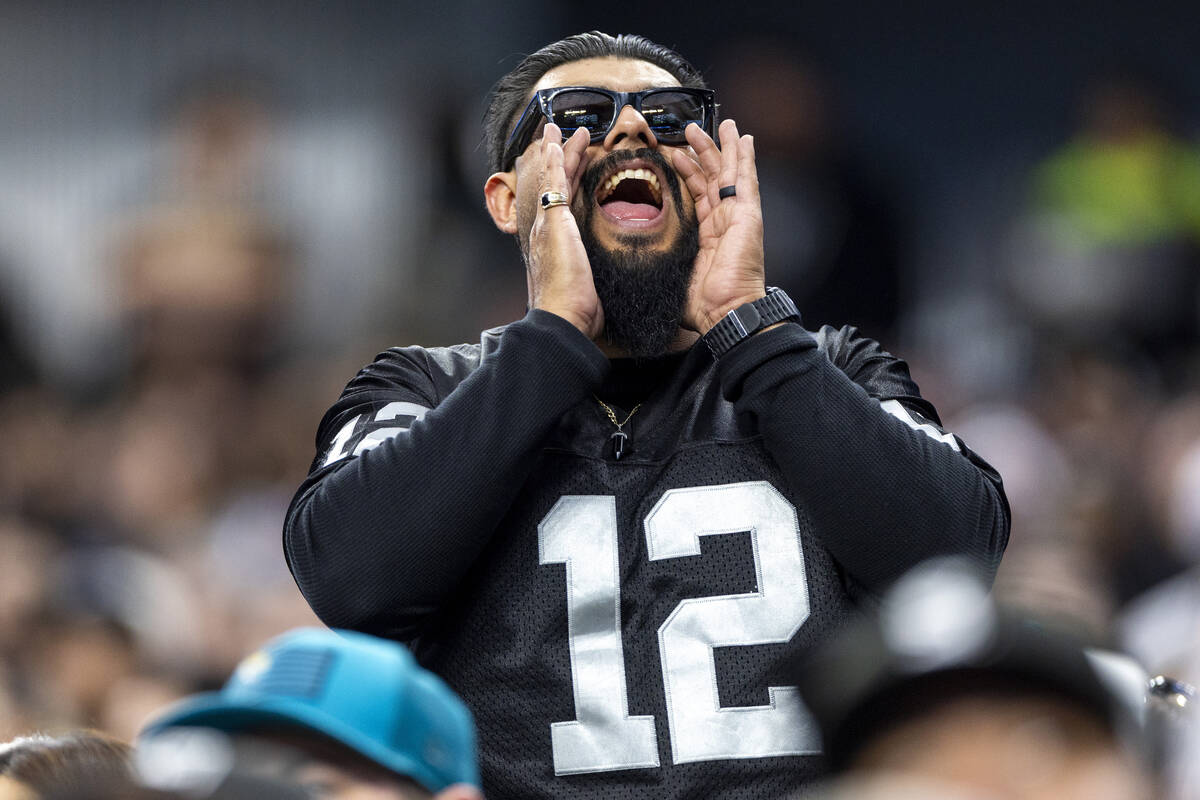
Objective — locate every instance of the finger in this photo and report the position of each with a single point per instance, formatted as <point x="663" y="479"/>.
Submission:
<point x="554" y="177"/>
<point x="747" y="169"/>
<point x="694" y="179"/>
<point x="729" y="153"/>
<point x="689" y="152"/>
<point x="707" y="154"/>
<point x="693" y="176"/>
<point x="575" y="157"/>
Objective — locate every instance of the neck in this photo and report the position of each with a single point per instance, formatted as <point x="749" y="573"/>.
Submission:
<point x="683" y="340"/>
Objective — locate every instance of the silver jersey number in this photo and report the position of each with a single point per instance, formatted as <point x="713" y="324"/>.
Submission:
<point x="581" y="531"/>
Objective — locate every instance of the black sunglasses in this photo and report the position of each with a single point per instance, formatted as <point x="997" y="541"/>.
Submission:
<point x="667" y="111"/>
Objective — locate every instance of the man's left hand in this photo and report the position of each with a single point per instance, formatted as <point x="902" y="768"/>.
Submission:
<point x="729" y="267"/>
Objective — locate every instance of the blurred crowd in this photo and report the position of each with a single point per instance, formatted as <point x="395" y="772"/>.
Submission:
<point x="147" y="464"/>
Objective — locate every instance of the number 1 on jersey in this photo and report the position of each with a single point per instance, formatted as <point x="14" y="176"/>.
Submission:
<point x="581" y="532"/>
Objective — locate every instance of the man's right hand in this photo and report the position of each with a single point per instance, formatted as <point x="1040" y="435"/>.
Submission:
<point x="560" y="277"/>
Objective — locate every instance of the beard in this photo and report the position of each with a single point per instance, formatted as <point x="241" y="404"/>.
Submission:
<point x="642" y="291"/>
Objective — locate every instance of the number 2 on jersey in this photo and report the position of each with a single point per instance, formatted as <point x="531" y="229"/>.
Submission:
<point x="581" y="532"/>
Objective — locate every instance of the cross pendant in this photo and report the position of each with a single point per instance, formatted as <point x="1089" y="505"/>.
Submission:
<point x="618" y="439"/>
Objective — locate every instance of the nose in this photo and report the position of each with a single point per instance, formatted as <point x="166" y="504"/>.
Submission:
<point x="630" y="131"/>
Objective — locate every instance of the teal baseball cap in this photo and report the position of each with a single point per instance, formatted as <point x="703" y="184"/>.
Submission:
<point x="366" y="693"/>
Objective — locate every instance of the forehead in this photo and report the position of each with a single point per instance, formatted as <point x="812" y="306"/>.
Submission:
<point x="610" y="72"/>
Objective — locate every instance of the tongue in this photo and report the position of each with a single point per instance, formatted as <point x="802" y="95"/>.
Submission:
<point x="619" y="209"/>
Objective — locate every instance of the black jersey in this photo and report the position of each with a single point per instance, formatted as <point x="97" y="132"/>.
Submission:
<point x="619" y="627"/>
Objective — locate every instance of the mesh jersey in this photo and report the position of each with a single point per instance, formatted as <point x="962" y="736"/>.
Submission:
<point x="622" y="628"/>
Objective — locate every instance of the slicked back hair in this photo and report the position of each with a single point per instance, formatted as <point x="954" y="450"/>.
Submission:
<point x="511" y="93"/>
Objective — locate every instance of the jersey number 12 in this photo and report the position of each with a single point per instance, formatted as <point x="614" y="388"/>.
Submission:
<point x="580" y="531"/>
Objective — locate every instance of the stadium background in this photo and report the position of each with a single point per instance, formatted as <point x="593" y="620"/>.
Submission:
<point x="212" y="213"/>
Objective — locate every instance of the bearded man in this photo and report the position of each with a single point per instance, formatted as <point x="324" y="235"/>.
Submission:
<point x="610" y="524"/>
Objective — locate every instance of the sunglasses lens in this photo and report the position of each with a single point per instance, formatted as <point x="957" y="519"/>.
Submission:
<point x="668" y="112"/>
<point x="580" y="108"/>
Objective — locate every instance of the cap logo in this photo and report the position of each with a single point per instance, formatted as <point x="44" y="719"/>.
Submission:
<point x="287" y="672"/>
<point x="298" y="671"/>
<point x="253" y="666"/>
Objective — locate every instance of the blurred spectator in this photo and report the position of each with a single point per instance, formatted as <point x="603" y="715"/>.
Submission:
<point x="203" y="285"/>
<point x="1109" y="252"/>
<point x="328" y="191"/>
<point x="44" y="455"/>
<point x="830" y="235"/>
<point x="141" y="492"/>
<point x="345" y="714"/>
<point x="26" y="553"/>
<point x="1099" y="404"/>
<point x="38" y="766"/>
<point x="1077" y="447"/>
<point x="945" y="695"/>
<point x="204" y="273"/>
<point x="1162" y="625"/>
<point x="88" y="765"/>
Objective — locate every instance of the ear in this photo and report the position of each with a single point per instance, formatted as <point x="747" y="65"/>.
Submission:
<point x="459" y="791"/>
<point x="500" y="193"/>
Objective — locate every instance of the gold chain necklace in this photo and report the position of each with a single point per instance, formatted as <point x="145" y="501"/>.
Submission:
<point x="619" y="436"/>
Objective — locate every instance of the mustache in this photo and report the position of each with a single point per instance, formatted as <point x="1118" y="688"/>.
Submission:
<point x="605" y="166"/>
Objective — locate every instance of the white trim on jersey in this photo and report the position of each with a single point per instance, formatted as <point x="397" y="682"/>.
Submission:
<point x="897" y="410"/>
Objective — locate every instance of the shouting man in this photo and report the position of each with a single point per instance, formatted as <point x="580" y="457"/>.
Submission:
<point x="610" y="524"/>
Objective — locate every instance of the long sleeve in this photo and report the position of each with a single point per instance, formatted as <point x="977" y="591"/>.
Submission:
<point x="884" y="485"/>
<point x="380" y="534"/>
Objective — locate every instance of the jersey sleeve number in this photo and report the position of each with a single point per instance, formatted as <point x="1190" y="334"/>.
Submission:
<point x="581" y="532"/>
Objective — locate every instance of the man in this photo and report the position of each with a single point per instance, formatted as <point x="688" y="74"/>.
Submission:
<point x="341" y="714"/>
<point x="605" y="539"/>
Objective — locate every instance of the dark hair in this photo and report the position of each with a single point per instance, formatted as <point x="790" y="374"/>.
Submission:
<point x="511" y="93"/>
<point x="65" y="764"/>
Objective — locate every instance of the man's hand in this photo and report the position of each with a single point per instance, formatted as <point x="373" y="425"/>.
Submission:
<point x="729" y="267"/>
<point x="560" y="277"/>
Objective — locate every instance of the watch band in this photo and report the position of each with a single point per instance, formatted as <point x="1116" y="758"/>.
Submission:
<point x="747" y="319"/>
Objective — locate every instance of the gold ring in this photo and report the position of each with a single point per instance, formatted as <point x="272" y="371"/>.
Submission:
<point x="551" y="199"/>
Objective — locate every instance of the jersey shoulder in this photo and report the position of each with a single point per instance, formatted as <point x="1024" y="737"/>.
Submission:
<point x="397" y="387"/>
<point x="424" y="375"/>
<point x="883" y="375"/>
<point x="414" y="366"/>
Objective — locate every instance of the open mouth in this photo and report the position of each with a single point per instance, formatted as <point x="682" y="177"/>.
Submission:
<point x="631" y="195"/>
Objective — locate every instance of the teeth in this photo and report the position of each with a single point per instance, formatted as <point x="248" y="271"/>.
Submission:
<point x="634" y="174"/>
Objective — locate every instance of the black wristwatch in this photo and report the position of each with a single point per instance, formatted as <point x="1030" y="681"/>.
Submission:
<point x="749" y="318"/>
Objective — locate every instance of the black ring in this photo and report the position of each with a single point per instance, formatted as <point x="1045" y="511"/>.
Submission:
<point x="726" y="191"/>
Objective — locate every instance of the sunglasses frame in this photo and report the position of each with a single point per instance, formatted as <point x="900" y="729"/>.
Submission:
<point x="527" y="125"/>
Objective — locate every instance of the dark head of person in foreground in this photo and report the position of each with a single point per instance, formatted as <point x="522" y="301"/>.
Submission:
<point x="38" y="766"/>
<point x="946" y="695"/>
<point x="89" y="765"/>
<point x="343" y="715"/>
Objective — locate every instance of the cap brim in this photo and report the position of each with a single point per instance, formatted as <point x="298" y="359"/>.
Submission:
<point x="213" y="710"/>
